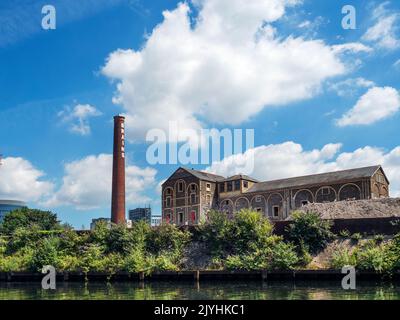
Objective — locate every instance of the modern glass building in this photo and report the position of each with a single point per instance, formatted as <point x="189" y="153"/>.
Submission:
<point x="7" y="206"/>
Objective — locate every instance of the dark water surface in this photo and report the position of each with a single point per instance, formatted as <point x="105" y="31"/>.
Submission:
<point x="204" y="290"/>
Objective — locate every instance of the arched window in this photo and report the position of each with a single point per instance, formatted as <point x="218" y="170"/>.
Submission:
<point x="325" y="194"/>
<point x="349" y="192"/>
<point x="303" y="197"/>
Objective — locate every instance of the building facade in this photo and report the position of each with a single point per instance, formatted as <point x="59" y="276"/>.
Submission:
<point x="139" y="214"/>
<point x="94" y="222"/>
<point x="6" y="206"/>
<point x="188" y="195"/>
<point x="156" y="221"/>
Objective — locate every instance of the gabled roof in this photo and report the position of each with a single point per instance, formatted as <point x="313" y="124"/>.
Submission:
<point x="316" y="179"/>
<point x="241" y="177"/>
<point x="205" y="175"/>
<point x="200" y="175"/>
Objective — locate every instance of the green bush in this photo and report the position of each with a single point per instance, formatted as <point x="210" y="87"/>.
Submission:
<point x="216" y="233"/>
<point x="27" y="218"/>
<point x="167" y="238"/>
<point x="284" y="256"/>
<point x="46" y="253"/>
<point x="135" y="261"/>
<point x="355" y="237"/>
<point x="343" y="257"/>
<point x="379" y="238"/>
<point x="309" y="229"/>
<point x="345" y="234"/>
<point x="373" y="259"/>
<point x="249" y="231"/>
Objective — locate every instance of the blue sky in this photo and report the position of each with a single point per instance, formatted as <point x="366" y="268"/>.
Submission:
<point x="314" y="106"/>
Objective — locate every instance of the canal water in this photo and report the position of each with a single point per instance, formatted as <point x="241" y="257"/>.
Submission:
<point x="204" y="290"/>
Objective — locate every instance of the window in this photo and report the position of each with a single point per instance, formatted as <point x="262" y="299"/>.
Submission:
<point x="326" y="191"/>
<point x="168" y="202"/>
<point x="227" y="202"/>
<point x="168" y="218"/>
<point x="193" y="216"/>
<point x="237" y="184"/>
<point x="245" y="184"/>
<point x="275" y="211"/>
<point x="259" y="209"/>
<point x="229" y="186"/>
<point x="208" y="199"/>
<point x="304" y="202"/>
<point x="222" y="187"/>
<point x="258" y="198"/>
<point x="180" y="217"/>
<point x="180" y="186"/>
<point x="192" y="198"/>
<point x="193" y="187"/>
<point x="168" y="191"/>
<point x="208" y="186"/>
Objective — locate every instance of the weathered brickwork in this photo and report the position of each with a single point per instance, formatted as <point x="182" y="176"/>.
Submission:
<point x="188" y="195"/>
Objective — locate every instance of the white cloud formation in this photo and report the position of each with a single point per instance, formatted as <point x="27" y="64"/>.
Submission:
<point x="383" y="32"/>
<point x="225" y="67"/>
<point x="397" y="64"/>
<point x="349" y="86"/>
<point x="78" y="117"/>
<point x="20" y="180"/>
<point x="289" y="159"/>
<point x="87" y="183"/>
<point x="377" y="104"/>
<point x="352" y="47"/>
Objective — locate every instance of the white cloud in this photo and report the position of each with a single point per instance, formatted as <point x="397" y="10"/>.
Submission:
<point x="352" y="47"/>
<point x="225" y="68"/>
<point x="377" y="104"/>
<point x="397" y="64"/>
<point x="78" y="117"/>
<point x="289" y="159"/>
<point x="383" y="32"/>
<point x="349" y="86"/>
<point x="87" y="183"/>
<point x="20" y="180"/>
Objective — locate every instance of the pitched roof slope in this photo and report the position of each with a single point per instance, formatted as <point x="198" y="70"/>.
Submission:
<point x="205" y="175"/>
<point x="322" y="178"/>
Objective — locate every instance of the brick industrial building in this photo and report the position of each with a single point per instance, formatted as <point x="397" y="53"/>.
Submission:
<point x="187" y="195"/>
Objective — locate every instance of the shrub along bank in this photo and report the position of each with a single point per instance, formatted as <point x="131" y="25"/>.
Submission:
<point x="30" y="239"/>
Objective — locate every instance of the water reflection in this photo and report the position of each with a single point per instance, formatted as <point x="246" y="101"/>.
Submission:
<point x="203" y="290"/>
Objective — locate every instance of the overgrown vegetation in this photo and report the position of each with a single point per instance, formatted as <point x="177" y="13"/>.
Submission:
<point x="371" y="255"/>
<point x="31" y="239"/>
<point x="310" y="231"/>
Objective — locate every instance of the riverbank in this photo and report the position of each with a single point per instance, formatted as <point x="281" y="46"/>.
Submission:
<point x="200" y="275"/>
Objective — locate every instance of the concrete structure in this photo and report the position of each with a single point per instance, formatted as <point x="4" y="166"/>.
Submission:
<point x="189" y="194"/>
<point x="6" y="206"/>
<point x="140" y="214"/>
<point x="156" y="221"/>
<point x="118" y="174"/>
<point x="99" y="220"/>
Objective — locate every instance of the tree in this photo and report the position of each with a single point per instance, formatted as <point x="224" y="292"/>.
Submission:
<point x="27" y="218"/>
<point x="310" y="230"/>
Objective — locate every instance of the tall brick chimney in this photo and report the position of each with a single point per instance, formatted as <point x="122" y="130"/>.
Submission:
<point x="118" y="175"/>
